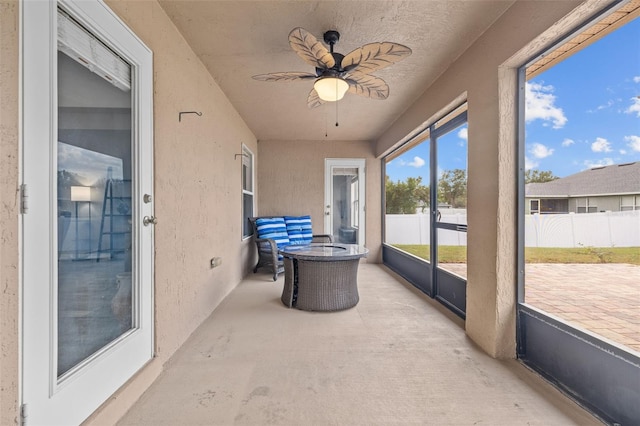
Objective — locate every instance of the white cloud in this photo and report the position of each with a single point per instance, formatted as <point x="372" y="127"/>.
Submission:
<point x="539" y="104"/>
<point x="598" y="163"/>
<point x="609" y="104"/>
<point x="568" y="142"/>
<point x="634" y="108"/>
<point x="464" y="133"/>
<point x="601" y="145"/>
<point x="636" y="79"/>
<point x="623" y="152"/>
<point x="529" y="163"/>
<point x="417" y="162"/>
<point x="634" y="142"/>
<point x="540" y="151"/>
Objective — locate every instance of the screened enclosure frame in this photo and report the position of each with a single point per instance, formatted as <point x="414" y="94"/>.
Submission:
<point x="444" y="286"/>
<point x="587" y="368"/>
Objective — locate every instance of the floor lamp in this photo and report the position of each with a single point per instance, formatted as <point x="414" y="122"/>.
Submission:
<point x="81" y="194"/>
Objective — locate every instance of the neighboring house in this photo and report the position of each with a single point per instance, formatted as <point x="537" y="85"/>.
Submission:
<point x="599" y="189"/>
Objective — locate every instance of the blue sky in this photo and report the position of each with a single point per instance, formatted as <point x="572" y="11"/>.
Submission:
<point x="585" y="111"/>
<point x="582" y="113"/>
<point x="452" y="154"/>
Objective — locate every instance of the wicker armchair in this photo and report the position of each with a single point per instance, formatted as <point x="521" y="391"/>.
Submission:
<point x="268" y="256"/>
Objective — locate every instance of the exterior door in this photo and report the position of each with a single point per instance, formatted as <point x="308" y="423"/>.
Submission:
<point x="87" y="185"/>
<point x="344" y="200"/>
<point x="449" y="215"/>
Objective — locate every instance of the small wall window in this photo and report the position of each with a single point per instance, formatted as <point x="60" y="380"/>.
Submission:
<point x="629" y="202"/>
<point x="247" y="191"/>
<point x="534" y="206"/>
<point x="586" y="205"/>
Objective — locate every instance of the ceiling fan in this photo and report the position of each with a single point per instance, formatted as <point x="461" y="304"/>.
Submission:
<point x="337" y="74"/>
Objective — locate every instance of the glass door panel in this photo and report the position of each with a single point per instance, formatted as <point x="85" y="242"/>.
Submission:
<point x="94" y="213"/>
<point x="451" y="213"/>
<point x="452" y="176"/>
<point x="345" y="202"/>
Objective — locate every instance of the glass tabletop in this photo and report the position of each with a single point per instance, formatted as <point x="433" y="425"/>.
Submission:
<point x="324" y="250"/>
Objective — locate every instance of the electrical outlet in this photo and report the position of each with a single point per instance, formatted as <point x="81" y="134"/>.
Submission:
<point x="216" y="261"/>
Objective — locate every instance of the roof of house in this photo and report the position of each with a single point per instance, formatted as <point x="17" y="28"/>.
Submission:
<point x="605" y="180"/>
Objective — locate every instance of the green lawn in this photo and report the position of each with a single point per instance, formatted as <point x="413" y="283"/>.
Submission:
<point x="458" y="254"/>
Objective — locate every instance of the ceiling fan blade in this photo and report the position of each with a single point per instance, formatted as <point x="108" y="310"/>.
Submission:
<point x="368" y="86"/>
<point x="310" y="49"/>
<point x="314" y="101"/>
<point x="284" y="76"/>
<point x="374" y="56"/>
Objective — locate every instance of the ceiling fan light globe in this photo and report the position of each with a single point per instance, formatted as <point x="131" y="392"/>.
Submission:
<point x="331" y="89"/>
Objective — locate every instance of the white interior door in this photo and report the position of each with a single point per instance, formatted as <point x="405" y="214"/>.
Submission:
<point x="344" y="200"/>
<point x="87" y="164"/>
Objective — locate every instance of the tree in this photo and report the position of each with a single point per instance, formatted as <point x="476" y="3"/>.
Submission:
<point x="452" y="188"/>
<point x="538" y="176"/>
<point x="405" y="197"/>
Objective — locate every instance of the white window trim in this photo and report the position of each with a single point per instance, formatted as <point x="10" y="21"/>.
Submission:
<point x="247" y="152"/>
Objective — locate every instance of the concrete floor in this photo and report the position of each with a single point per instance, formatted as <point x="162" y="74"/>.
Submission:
<point x="398" y="357"/>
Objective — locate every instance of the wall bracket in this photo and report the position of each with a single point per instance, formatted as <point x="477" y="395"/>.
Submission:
<point x="199" y="114"/>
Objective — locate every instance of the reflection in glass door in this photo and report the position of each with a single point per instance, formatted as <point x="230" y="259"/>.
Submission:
<point x="94" y="208"/>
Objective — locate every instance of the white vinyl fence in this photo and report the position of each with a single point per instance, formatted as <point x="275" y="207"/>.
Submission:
<point x="608" y="229"/>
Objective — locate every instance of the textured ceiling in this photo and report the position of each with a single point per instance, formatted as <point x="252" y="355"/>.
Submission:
<point x="238" y="39"/>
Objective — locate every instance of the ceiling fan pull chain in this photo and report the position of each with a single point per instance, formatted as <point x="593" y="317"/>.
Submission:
<point x="326" y="120"/>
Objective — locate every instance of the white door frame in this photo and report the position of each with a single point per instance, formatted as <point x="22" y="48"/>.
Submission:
<point x="329" y="164"/>
<point x="48" y="399"/>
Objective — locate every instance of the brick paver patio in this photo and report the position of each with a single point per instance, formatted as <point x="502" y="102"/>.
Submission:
<point x="602" y="298"/>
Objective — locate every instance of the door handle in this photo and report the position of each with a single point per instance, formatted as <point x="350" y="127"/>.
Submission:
<point x="149" y="220"/>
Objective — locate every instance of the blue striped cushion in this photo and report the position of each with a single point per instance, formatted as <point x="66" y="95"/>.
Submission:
<point x="299" y="229"/>
<point x="273" y="228"/>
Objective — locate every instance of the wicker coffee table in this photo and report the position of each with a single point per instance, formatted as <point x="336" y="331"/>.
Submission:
<point x="321" y="276"/>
